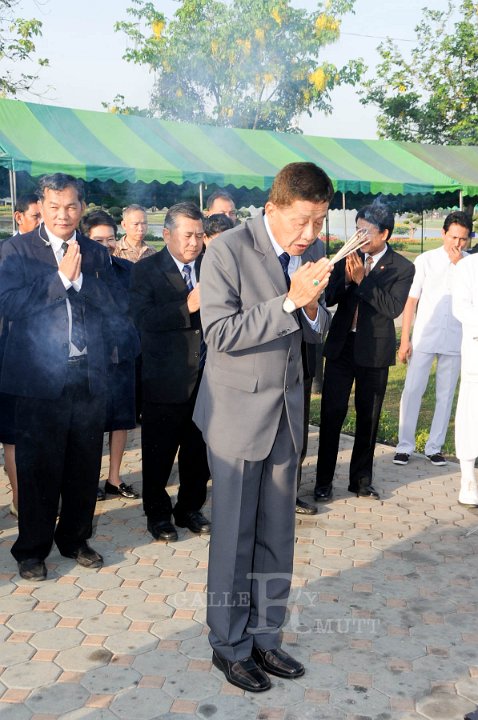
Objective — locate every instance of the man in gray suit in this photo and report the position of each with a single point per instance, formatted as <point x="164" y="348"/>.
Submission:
<point x="260" y="289"/>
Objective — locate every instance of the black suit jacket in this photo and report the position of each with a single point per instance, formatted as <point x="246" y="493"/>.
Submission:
<point x="380" y="297"/>
<point x="170" y="335"/>
<point x="33" y="299"/>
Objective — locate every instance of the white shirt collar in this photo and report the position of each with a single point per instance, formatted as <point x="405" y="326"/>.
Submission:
<point x="180" y="265"/>
<point x="275" y="244"/>
<point x="57" y="242"/>
<point x="377" y="257"/>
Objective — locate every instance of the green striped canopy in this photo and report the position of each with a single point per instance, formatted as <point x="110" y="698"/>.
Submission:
<point x="42" y="139"/>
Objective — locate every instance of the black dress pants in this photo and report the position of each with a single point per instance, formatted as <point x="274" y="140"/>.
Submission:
<point x="165" y="428"/>
<point x="58" y="454"/>
<point x="370" y="386"/>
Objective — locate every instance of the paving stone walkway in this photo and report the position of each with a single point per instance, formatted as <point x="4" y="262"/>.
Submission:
<point x="383" y="612"/>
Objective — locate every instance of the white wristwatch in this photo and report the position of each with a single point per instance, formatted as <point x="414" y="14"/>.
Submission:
<point x="289" y="305"/>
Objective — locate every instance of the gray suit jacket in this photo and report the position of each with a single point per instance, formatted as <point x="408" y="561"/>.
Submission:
<point x="254" y="362"/>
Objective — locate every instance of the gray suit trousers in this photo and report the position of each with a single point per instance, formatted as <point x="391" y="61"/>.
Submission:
<point x="252" y="547"/>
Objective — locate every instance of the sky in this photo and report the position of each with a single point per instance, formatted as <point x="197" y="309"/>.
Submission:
<point x="86" y="65"/>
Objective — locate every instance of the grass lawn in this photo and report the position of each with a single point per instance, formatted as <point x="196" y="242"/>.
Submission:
<point x="388" y="427"/>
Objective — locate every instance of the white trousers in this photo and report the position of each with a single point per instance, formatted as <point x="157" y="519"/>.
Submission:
<point x="447" y="373"/>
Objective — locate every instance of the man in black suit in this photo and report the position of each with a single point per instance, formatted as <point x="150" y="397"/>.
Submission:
<point x="58" y="292"/>
<point x="370" y="290"/>
<point x="165" y="303"/>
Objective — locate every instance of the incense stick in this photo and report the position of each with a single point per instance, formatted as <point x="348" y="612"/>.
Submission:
<point x="359" y="238"/>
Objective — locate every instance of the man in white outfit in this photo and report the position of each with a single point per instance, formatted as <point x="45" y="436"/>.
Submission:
<point x="436" y="333"/>
<point x="465" y="309"/>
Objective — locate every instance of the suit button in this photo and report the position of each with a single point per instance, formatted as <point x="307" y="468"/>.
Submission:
<point x="197" y="332"/>
<point x="196" y="354"/>
<point x="286" y="388"/>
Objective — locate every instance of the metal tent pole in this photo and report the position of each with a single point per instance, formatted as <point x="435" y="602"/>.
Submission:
<point x="13" y="193"/>
<point x="345" y="215"/>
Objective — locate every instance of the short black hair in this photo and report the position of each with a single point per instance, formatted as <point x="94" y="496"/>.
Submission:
<point x="459" y="218"/>
<point x="95" y="218"/>
<point x="217" y="223"/>
<point x="378" y="214"/>
<point x="24" y="202"/>
<point x="58" y="182"/>
<point x="185" y="209"/>
<point x="219" y="194"/>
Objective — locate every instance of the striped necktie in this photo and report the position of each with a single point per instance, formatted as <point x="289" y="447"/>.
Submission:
<point x="78" y="332"/>
<point x="187" y="279"/>
<point x="284" y="261"/>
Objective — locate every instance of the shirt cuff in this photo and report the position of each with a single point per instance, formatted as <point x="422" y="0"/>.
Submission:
<point x="67" y="283"/>
<point x="314" y="324"/>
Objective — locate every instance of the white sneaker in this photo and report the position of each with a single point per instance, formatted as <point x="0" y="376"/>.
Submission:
<point x="468" y="493"/>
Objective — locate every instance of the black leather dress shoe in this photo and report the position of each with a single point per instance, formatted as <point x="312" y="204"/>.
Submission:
<point x="366" y="491"/>
<point x="194" y="521"/>
<point x="100" y="494"/>
<point x="32" y="569"/>
<point x="278" y="662"/>
<point x="304" y="508"/>
<point x="162" y="530"/>
<point x="124" y="490"/>
<point x="85" y="556"/>
<point x="323" y="493"/>
<point x="245" y="674"/>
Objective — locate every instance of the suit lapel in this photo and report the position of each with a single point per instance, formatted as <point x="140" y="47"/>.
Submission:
<point x="169" y="268"/>
<point x="41" y="246"/>
<point x="263" y="245"/>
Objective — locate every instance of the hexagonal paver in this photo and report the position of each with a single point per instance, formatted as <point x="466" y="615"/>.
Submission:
<point x="176" y="629"/>
<point x="13" y="604"/>
<point x="13" y="653"/>
<point x="163" y="586"/>
<point x="444" y="706"/>
<point x="148" y="611"/>
<point x="30" y="674"/>
<point x="58" y="638"/>
<point x="81" y="659"/>
<point x="122" y="596"/>
<point x="130" y="643"/>
<point x="14" y="711"/>
<point x="98" y="581"/>
<point x="160" y="663"/>
<point x="141" y="704"/>
<point x="193" y="685"/>
<point x="56" y="593"/>
<point x="32" y="621"/>
<point x="110" y="679"/>
<point x="57" y="699"/>
<point x="89" y="713"/>
<point x="106" y="624"/>
<point x="79" y="608"/>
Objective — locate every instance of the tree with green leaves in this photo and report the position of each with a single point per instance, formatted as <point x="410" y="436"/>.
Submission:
<point x="432" y="95"/>
<point x="17" y="45"/>
<point x="240" y="63"/>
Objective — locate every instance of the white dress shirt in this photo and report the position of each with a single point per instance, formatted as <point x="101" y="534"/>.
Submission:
<point x="180" y="266"/>
<point x="436" y="330"/>
<point x="294" y="264"/>
<point x="56" y="245"/>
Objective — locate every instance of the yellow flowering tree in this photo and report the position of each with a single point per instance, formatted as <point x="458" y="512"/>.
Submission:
<point x="238" y="63"/>
<point x="432" y="94"/>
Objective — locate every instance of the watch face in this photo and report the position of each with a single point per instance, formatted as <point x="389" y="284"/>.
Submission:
<point x="289" y="305"/>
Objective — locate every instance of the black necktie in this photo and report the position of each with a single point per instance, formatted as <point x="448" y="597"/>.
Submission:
<point x="284" y="261"/>
<point x="187" y="279"/>
<point x="78" y="334"/>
